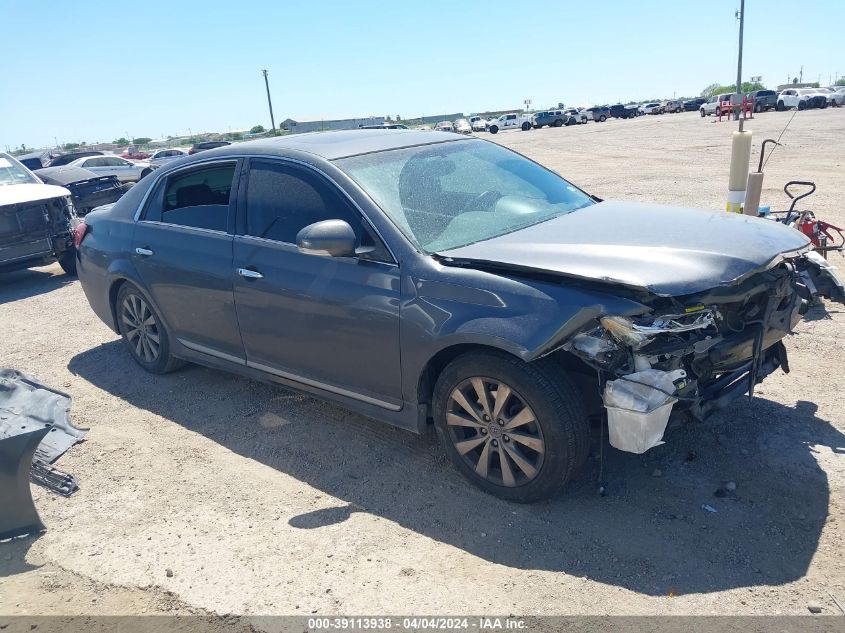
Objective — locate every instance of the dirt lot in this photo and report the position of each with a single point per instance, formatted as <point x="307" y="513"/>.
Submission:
<point x="262" y="501"/>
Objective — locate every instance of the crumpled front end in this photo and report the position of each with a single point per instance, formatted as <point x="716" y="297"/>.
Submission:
<point x="715" y="345"/>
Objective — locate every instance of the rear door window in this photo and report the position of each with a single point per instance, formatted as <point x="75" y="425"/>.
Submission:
<point x="197" y="198"/>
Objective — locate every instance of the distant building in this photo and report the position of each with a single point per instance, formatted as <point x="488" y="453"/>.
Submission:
<point x="297" y="127"/>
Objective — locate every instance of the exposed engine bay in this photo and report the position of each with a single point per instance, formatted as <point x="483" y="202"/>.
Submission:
<point x="716" y="345"/>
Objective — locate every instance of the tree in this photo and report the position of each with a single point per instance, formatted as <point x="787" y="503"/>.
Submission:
<point x="840" y="82"/>
<point x="70" y="146"/>
<point x="142" y="140"/>
<point x="717" y="89"/>
<point x="256" y="129"/>
<point x="121" y="141"/>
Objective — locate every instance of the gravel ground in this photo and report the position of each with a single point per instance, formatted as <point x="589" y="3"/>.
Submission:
<point x="203" y="492"/>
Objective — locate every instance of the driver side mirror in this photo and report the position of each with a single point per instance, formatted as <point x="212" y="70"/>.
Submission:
<point x="330" y="238"/>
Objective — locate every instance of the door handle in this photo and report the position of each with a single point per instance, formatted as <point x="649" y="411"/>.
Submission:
<point x="143" y="251"/>
<point x="250" y="274"/>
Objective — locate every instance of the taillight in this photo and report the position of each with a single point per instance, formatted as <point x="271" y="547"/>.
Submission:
<point x="79" y="233"/>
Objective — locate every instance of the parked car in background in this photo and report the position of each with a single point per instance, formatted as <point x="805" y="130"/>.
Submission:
<point x="37" y="221"/>
<point x="673" y="106"/>
<point x="510" y="122"/>
<point x="552" y="118"/>
<point x="87" y="189"/>
<point x="620" y="111"/>
<point x="34" y="160"/>
<point x="651" y="108"/>
<point x="831" y="97"/>
<point x="793" y="98"/>
<point x="462" y="126"/>
<point x="133" y="153"/>
<point x="201" y="147"/>
<point x="694" y="104"/>
<point x="126" y="171"/>
<point x="577" y="115"/>
<point x="163" y="156"/>
<point x="445" y="126"/>
<point x="69" y="157"/>
<point x="469" y="286"/>
<point x="763" y="100"/>
<point x="712" y="105"/>
<point x="633" y="110"/>
<point x="599" y="114"/>
<point x="478" y="123"/>
<point x="836" y="95"/>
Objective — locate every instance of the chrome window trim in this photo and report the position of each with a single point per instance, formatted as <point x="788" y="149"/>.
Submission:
<point x="187" y="228"/>
<point x="287" y="159"/>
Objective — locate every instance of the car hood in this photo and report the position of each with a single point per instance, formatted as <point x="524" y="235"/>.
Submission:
<point x="668" y="251"/>
<point x="30" y="192"/>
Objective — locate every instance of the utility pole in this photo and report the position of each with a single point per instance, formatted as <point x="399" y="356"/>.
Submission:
<point x="269" y="102"/>
<point x="741" y="17"/>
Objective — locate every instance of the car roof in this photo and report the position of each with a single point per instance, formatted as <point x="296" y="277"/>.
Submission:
<point x="339" y="144"/>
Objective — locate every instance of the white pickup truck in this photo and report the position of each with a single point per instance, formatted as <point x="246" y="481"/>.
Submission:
<point x="510" y="122"/>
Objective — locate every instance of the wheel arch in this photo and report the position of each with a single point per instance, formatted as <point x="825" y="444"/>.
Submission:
<point x="440" y="360"/>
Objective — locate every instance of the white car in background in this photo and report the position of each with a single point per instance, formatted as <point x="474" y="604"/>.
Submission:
<point x="511" y="121"/>
<point x="795" y="98"/>
<point x="163" y="156"/>
<point x="580" y="116"/>
<point x="651" y="108"/>
<point x="478" y="123"/>
<point x="462" y="126"/>
<point x="125" y="170"/>
<point x="834" y="97"/>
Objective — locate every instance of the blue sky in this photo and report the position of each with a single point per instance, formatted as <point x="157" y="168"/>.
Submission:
<point x="94" y="71"/>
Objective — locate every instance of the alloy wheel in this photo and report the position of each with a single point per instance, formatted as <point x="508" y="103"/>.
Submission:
<point x="495" y="432"/>
<point x="141" y="328"/>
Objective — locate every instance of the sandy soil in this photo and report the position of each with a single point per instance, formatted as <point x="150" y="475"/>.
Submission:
<point x="263" y="501"/>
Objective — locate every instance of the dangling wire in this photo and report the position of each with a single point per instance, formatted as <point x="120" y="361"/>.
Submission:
<point x="777" y="142"/>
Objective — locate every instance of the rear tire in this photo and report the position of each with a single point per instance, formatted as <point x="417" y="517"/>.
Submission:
<point x="526" y="126"/>
<point x="530" y="444"/>
<point x="558" y="123"/>
<point x="143" y="331"/>
<point x="602" y="119"/>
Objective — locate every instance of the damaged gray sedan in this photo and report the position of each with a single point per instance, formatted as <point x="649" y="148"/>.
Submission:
<point x="420" y="277"/>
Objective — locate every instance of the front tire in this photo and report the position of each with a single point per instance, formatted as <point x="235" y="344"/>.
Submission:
<point x="602" y="119"/>
<point x="143" y="332"/>
<point x="779" y="107"/>
<point x="494" y="129"/>
<point x="526" y="126"/>
<point x="517" y="430"/>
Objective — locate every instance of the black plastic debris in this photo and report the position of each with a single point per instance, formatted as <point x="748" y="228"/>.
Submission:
<point x="35" y="430"/>
<point x="18" y="515"/>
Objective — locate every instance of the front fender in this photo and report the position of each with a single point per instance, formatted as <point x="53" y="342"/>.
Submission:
<point x="522" y="316"/>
